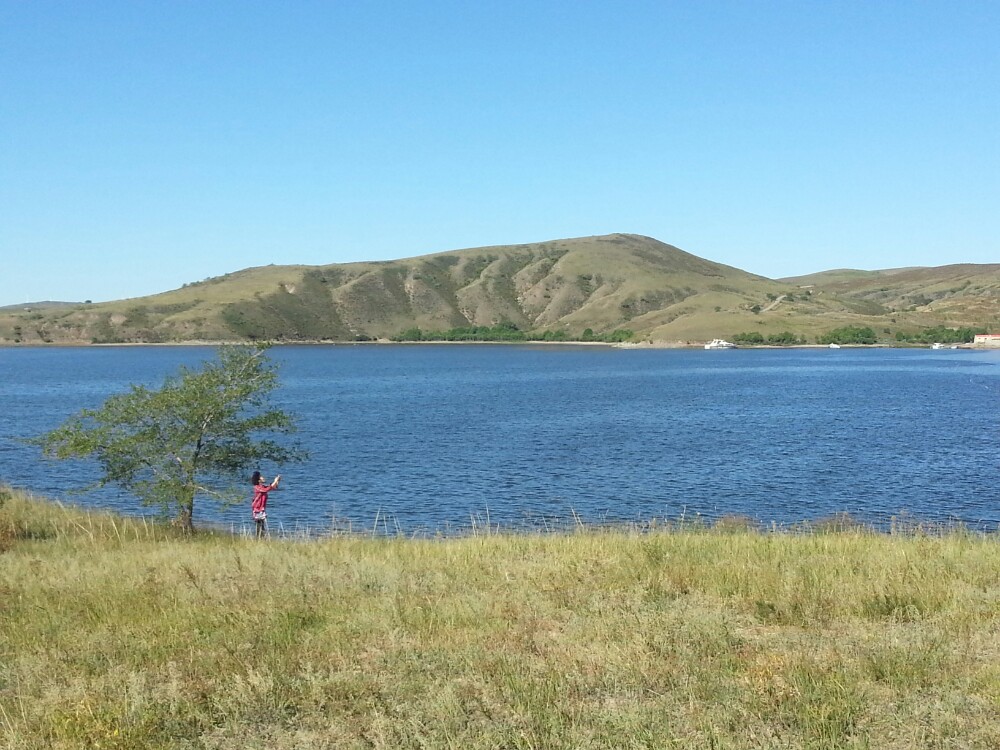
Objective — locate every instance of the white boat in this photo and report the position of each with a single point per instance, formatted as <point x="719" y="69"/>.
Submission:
<point x="720" y="344"/>
<point x="937" y="346"/>
<point x="834" y="346"/>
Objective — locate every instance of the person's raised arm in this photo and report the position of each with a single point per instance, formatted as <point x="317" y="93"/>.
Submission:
<point x="274" y="484"/>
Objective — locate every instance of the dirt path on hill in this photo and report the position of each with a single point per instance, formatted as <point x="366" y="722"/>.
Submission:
<point x="773" y="304"/>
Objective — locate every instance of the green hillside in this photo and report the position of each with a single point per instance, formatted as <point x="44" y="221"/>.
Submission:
<point x="603" y="283"/>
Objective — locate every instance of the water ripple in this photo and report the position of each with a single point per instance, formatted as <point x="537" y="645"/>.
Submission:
<point x="438" y="437"/>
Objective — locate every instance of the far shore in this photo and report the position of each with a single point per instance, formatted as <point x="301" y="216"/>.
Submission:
<point x="647" y="344"/>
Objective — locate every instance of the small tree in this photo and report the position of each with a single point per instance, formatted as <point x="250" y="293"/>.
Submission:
<point x="192" y="438"/>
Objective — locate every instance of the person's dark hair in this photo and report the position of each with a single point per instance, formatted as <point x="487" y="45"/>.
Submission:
<point x="255" y="479"/>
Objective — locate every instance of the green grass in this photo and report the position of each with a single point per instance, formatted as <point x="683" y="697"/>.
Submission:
<point x="118" y="633"/>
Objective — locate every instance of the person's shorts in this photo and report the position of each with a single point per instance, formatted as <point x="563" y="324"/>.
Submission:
<point x="259" y="515"/>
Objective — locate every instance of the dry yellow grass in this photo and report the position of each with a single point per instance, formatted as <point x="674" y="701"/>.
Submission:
<point x="116" y="633"/>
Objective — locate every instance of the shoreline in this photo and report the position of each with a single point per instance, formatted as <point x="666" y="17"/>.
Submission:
<point x="901" y="523"/>
<point x="388" y="342"/>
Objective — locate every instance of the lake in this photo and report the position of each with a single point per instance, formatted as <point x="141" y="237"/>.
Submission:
<point x="426" y="439"/>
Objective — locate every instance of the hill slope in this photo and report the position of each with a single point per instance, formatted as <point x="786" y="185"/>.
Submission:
<point x="603" y="283"/>
<point x="964" y="293"/>
<point x="597" y="282"/>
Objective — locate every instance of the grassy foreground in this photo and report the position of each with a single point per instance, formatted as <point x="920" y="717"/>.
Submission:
<point x="120" y="634"/>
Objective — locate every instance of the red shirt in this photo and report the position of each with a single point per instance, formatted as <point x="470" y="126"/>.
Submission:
<point x="260" y="491"/>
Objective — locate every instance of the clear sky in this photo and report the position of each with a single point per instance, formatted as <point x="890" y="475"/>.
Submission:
<point x="148" y="144"/>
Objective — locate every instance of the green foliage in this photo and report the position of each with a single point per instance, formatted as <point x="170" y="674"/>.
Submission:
<point x="848" y="335"/>
<point x="940" y="334"/>
<point x="752" y="338"/>
<point x="748" y="338"/>
<point x="500" y="332"/>
<point x="194" y="437"/>
<point x="618" y="335"/>
<point x="553" y="336"/>
<point x="509" y="332"/>
<point x="785" y="338"/>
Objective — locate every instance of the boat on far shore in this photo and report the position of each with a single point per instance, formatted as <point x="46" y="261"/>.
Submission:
<point x="720" y="344"/>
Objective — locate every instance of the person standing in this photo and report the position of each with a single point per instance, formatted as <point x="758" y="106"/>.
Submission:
<point x="258" y="508"/>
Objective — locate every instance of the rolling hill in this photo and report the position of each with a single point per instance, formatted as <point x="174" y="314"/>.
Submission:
<point x="610" y="282"/>
<point x="961" y="293"/>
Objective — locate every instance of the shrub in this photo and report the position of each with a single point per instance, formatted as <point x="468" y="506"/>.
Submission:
<point x="848" y="335"/>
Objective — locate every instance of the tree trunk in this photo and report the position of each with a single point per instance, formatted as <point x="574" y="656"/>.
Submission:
<point x="185" y="519"/>
<point x="185" y="515"/>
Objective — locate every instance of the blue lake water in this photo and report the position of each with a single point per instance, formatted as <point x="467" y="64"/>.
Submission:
<point x="435" y="438"/>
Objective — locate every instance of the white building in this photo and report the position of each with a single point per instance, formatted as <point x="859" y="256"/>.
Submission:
<point x="987" y="339"/>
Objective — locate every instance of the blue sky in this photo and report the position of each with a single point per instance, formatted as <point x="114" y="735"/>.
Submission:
<point x="148" y="144"/>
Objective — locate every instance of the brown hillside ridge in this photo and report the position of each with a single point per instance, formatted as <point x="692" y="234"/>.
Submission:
<point x="965" y="293"/>
<point x="619" y="281"/>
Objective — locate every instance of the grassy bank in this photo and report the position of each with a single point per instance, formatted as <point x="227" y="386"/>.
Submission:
<point x="120" y="634"/>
